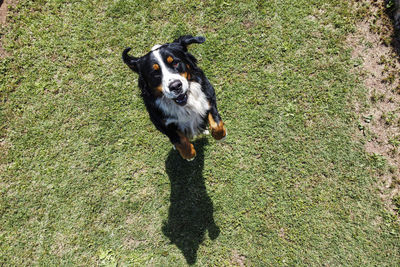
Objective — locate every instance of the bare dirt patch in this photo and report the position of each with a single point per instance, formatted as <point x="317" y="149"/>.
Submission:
<point x="4" y="12"/>
<point x="373" y="43"/>
<point x="3" y="16"/>
<point x="238" y="259"/>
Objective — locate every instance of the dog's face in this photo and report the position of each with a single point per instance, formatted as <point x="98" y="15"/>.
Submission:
<point x="166" y="69"/>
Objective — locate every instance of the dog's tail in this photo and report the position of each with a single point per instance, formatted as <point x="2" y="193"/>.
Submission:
<point x="125" y="57"/>
<point x="130" y="61"/>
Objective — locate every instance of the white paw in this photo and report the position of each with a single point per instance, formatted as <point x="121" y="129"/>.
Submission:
<point x="206" y="132"/>
<point x="190" y="159"/>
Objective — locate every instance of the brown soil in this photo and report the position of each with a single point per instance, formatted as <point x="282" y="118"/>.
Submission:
<point x="3" y="20"/>
<point x="3" y="11"/>
<point x="3" y="15"/>
<point x="374" y="43"/>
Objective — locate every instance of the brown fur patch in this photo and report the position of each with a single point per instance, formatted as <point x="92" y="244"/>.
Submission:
<point x="184" y="75"/>
<point x="211" y="121"/>
<point x="158" y="91"/>
<point x="218" y="130"/>
<point x="185" y="148"/>
<point x="170" y="59"/>
<point x="156" y="67"/>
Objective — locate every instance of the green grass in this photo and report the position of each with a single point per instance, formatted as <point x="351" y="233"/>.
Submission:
<point x="87" y="180"/>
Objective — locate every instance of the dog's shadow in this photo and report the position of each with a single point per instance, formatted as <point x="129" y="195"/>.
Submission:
<point x="191" y="209"/>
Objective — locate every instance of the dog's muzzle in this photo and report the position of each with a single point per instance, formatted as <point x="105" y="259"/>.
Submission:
<point x="175" y="86"/>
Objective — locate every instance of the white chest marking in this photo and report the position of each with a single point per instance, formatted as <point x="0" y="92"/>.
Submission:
<point x="190" y="117"/>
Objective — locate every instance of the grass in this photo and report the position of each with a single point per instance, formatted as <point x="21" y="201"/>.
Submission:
<point x="87" y="180"/>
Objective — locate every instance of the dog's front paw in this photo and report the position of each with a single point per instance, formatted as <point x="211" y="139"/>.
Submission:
<point x="186" y="150"/>
<point x="219" y="132"/>
<point x="224" y="137"/>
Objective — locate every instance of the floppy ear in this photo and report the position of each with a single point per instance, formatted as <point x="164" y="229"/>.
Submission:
<point x="132" y="62"/>
<point x="189" y="39"/>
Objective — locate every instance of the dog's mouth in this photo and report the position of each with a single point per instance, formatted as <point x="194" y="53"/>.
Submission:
<point x="181" y="100"/>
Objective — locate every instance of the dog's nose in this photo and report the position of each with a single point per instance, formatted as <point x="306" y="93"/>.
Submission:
<point x="175" y="86"/>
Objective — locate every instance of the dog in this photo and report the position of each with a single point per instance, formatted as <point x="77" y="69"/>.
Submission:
<point x="178" y="96"/>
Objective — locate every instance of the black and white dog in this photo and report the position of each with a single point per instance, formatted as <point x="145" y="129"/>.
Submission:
<point x="179" y="98"/>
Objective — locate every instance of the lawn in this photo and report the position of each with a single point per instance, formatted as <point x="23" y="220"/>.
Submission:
<point x="86" y="179"/>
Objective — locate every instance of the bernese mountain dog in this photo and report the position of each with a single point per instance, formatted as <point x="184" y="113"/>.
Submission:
<point x="178" y="97"/>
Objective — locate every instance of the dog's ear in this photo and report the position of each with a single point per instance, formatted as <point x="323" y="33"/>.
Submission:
<point x="132" y="62"/>
<point x="189" y="39"/>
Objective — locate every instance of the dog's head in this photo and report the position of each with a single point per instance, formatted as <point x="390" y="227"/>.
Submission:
<point x="167" y="69"/>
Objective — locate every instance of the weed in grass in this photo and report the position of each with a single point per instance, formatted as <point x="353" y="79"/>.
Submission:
<point x="390" y="77"/>
<point x="389" y="118"/>
<point x="368" y="118"/>
<point x="395" y="141"/>
<point x="392" y="169"/>
<point x="377" y="97"/>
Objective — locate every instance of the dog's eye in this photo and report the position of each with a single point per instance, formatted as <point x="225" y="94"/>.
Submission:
<point x="175" y="63"/>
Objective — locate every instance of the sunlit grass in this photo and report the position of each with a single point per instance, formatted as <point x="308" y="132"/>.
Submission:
<point x="86" y="179"/>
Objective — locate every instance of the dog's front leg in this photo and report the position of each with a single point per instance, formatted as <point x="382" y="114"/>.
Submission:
<point x="218" y="130"/>
<point x="177" y="138"/>
<point x="185" y="148"/>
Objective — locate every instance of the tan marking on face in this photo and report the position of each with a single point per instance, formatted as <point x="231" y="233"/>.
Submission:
<point x="156" y="67"/>
<point x="184" y="75"/>
<point x="158" y="91"/>
<point x="218" y="130"/>
<point x="170" y="59"/>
